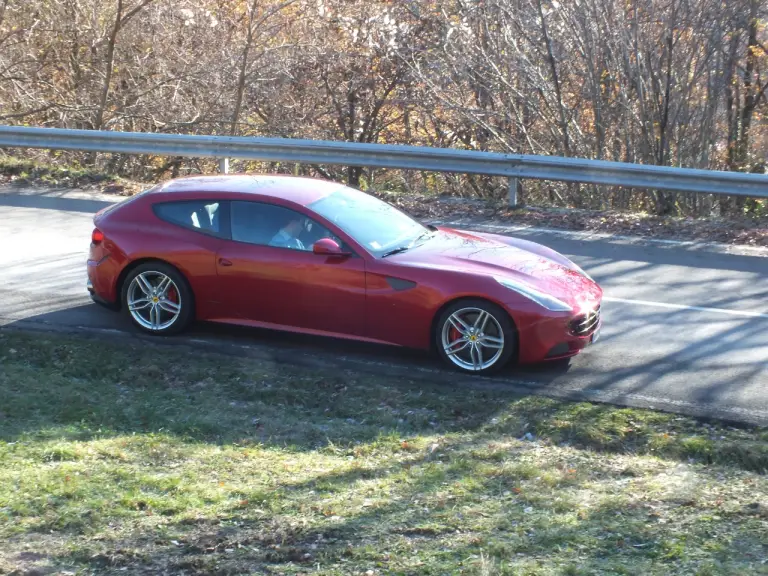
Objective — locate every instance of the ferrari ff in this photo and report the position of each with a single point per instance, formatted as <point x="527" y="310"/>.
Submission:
<point x="317" y="257"/>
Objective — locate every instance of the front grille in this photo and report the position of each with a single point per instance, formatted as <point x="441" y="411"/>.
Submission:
<point x="585" y="324"/>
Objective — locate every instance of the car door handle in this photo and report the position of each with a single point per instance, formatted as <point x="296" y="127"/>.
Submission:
<point x="224" y="262"/>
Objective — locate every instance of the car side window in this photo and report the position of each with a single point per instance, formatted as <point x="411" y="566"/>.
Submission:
<point x="271" y="225"/>
<point x="202" y="215"/>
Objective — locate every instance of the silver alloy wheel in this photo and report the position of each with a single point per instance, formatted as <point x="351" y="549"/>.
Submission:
<point x="154" y="300"/>
<point x="473" y="339"/>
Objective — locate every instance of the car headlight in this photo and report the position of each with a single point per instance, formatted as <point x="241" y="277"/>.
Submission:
<point x="549" y="302"/>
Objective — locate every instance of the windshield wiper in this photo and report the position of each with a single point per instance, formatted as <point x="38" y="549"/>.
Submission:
<point x="409" y="246"/>
<point x="396" y="251"/>
<point x="425" y="235"/>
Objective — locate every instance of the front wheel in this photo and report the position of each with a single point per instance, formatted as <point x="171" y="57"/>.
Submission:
<point x="158" y="298"/>
<point x="475" y="336"/>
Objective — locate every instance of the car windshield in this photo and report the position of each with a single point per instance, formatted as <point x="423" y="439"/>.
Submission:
<point x="373" y="223"/>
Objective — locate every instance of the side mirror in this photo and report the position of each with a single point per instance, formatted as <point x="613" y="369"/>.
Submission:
<point x="328" y="247"/>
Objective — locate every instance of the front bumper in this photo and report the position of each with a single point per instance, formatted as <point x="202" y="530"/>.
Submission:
<point x="557" y="336"/>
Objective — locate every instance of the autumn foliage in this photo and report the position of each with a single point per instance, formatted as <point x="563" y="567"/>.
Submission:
<point x="668" y="82"/>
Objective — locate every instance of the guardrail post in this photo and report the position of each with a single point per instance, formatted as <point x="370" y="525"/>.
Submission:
<point x="513" y="182"/>
<point x="224" y="165"/>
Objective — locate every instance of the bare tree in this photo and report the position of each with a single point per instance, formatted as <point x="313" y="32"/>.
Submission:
<point x="256" y="16"/>
<point x="671" y="82"/>
<point x="122" y="17"/>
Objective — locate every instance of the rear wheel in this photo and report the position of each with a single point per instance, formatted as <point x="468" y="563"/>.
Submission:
<point x="158" y="298"/>
<point x="475" y="336"/>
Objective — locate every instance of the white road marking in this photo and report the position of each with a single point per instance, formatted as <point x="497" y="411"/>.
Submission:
<point x="744" y="313"/>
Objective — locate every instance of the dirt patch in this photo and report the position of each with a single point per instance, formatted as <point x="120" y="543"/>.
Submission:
<point x="22" y="174"/>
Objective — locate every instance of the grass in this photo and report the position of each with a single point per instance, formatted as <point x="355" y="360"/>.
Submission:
<point x="123" y="458"/>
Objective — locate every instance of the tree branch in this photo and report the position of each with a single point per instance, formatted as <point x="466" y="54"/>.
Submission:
<point x="28" y="112"/>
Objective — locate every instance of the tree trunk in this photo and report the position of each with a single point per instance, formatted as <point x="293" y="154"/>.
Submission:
<point x="555" y="81"/>
<point x="99" y="122"/>
<point x="353" y="176"/>
<point x="241" y="75"/>
<point x="666" y="199"/>
<point x="739" y="137"/>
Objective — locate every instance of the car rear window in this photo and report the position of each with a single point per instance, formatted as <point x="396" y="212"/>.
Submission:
<point x="203" y="215"/>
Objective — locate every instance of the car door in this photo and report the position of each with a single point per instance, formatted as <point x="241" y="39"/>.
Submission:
<point x="288" y="287"/>
<point x="191" y="244"/>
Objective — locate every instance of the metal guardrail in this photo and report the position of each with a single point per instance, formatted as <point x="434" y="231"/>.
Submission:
<point x="513" y="166"/>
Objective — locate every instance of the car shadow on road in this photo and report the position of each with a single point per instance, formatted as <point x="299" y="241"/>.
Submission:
<point x="277" y="345"/>
<point x="585" y="377"/>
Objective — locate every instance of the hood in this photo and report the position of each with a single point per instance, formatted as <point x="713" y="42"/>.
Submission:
<point x="502" y="256"/>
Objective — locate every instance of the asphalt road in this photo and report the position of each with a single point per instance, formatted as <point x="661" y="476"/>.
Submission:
<point x="685" y="325"/>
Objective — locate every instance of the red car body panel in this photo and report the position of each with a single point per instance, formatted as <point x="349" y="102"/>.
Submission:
<point x="393" y="300"/>
<point x="293" y="288"/>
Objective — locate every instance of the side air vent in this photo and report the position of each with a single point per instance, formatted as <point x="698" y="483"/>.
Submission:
<point x="399" y="284"/>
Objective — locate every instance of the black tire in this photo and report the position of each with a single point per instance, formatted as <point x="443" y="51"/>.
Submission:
<point x="503" y="322"/>
<point x="186" y="297"/>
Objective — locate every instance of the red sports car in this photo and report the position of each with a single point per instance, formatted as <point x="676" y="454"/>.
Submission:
<point x="318" y="257"/>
